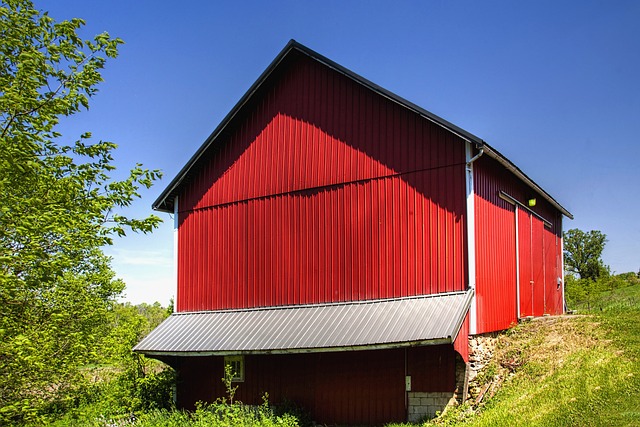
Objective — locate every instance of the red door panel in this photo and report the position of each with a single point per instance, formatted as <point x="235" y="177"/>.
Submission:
<point x="532" y="264"/>
<point x="538" y="265"/>
<point x="553" y="292"/>
<point x="524" y="263"/>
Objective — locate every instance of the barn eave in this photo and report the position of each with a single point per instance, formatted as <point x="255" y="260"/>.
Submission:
<point x="351" y="326"/>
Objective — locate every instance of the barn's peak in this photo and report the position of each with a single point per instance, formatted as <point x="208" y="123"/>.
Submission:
<point x="282" y="61"/>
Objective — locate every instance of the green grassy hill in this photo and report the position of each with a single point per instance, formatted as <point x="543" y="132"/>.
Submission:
<point x="574" y="370"/>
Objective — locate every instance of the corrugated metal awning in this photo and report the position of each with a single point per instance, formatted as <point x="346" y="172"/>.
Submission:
<point x="433" y="319"/>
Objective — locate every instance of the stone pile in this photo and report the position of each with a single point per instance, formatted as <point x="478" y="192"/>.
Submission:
<point x="481" y="352"/>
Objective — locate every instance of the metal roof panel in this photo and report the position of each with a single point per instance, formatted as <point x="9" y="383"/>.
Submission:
<point x="304" y="328"/>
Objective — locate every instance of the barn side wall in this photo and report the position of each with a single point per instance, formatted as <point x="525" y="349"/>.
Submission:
<point x="461" y="342"/>
<point x="533" y="256"/>
<point x="324" y="192"/>
<point x="353" y="388"/>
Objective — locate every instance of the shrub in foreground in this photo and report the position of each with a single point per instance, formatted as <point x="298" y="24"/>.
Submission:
<point x="219" y="414"/>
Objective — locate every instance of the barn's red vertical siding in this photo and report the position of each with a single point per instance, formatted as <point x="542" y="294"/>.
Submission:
<point x="526" y="263"/>
<point x="538" y="266"/>
<point x="461" y="343"/>
<point x="553" y="274"/>
<point x="344" y="388"/>
<point x="497" y="266"/>
<point x="326" y="192"/>
<point x="495" y="252"/>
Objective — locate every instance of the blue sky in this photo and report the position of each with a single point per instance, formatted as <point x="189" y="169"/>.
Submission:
<point x="554" y="86"/>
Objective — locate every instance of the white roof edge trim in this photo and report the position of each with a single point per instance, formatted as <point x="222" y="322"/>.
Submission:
<point x="438" y="341"/>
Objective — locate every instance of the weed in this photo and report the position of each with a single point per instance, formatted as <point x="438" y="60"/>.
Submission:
<point x="227" y="380"/>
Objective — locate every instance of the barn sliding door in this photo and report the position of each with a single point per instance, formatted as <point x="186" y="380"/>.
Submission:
<point x="531" y="264"/>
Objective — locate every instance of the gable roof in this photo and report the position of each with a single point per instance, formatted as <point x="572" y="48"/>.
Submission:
<point x="293" y="49"/>
<point x="359" y="325"/>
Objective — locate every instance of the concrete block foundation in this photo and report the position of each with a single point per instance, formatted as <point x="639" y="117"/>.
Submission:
<point x="423" y="405"/>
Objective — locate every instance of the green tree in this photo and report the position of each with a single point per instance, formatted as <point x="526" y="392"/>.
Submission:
<point x="60" y="206"/>
<point x="583" y="253"/>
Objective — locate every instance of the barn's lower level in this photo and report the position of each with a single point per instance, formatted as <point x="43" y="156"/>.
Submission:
<point x="371" y="387"/>
<point x="357" y="363"/>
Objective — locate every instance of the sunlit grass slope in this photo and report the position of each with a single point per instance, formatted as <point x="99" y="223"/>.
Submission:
<point x="579" y="370"/>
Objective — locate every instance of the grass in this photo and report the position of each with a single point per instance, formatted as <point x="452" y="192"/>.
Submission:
<point x="580" y="370"/>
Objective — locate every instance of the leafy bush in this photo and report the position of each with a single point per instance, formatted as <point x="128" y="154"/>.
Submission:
<point x="290" y="408"/>
<point x="223" y="412"/>
<point x="123" y="383"/>
<point x="219" y="414"/>
<point x="586" y="294"/>
<point x="133" y="383"/>
<point x="138" y="389"/>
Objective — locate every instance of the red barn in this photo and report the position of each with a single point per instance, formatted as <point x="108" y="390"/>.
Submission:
<point x="337" y="245"/>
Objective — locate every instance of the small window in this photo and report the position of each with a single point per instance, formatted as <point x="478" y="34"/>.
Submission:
<point x="237" y="367"/>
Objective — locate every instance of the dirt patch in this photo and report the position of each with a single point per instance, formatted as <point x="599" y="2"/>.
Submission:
<point x="546" y="340"/>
